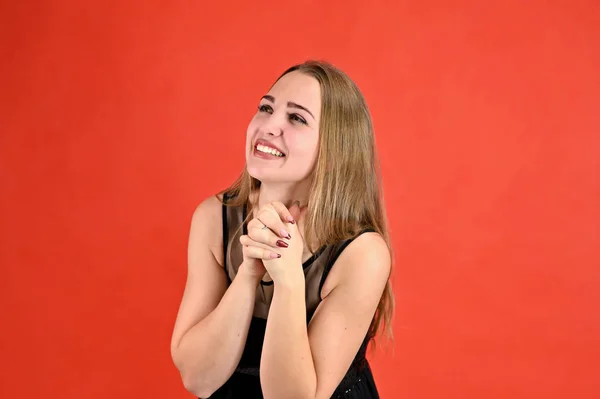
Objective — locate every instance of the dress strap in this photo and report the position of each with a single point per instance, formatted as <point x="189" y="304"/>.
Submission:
<point x="335" y="254"/>
<point x="225" y="234"/>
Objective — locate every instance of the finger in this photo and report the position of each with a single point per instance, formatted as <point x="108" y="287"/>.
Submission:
<point x="271" y="219"/>
<point x="266" y="237"/>
<point x="267" y="227"/>
<point x="258" y="252"/>
<point x="283" y="212"/>
<point x="249" y="240"/>
<point x="255" y="224"/>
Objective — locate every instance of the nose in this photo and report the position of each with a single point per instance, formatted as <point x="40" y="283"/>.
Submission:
<point x="273" y="126"/>
<point x="275" y="132"/>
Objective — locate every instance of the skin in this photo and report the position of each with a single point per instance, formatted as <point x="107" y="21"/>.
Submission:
<point x="212" y="324"/>
<point x="293" y="130"/>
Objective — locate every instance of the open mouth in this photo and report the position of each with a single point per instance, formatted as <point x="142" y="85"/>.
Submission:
<point x="265" y="150"/>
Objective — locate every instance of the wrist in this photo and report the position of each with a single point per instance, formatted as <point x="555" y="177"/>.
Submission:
<point x="293" y="281"/>
<point x="290" y="291"/>
<point x="247" y="276"/>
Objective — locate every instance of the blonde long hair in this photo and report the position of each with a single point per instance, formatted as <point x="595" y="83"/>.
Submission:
<point x="345" y="195"/>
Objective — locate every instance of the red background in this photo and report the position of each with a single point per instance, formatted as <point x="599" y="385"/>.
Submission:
<point x="118" y="118"/>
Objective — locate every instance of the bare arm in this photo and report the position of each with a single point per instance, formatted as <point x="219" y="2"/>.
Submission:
<point x="310" y="363"/>
<point x="213" y="320"/>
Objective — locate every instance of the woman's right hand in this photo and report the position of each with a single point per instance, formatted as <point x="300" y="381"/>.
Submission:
<point x="275" y="215"/>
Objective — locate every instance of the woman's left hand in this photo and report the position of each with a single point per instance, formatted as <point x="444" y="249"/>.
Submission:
<point x="287" y="268"/>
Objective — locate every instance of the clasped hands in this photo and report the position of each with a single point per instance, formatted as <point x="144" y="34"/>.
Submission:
<point x="274" y="243"/>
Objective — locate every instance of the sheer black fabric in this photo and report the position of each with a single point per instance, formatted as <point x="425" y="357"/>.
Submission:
<point x="358" y="383"/>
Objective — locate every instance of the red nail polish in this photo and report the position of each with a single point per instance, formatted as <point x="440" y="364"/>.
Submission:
<point x="282" y="244"/>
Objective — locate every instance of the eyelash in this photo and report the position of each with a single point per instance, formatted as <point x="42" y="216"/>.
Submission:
<point x="293" y="117"/>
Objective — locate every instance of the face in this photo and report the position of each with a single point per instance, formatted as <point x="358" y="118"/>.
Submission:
<point x="282" y="138"/>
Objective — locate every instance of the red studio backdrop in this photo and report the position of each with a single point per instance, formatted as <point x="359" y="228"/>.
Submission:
<point x="118" y="118"/>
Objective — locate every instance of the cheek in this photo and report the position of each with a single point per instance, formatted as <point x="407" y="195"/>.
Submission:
<point x="250" y="131"/>
<point x="306" y="147"/>
<point x="312" y="145"/>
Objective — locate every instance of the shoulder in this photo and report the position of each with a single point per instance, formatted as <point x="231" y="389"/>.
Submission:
<point x="210" y="203"/>
<point x="365" y="261"/>
<point x="208" y="212"/>
<point x="206" y="225"/>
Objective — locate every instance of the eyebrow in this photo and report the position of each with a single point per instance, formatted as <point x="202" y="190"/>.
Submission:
<point x="290" y="104"/>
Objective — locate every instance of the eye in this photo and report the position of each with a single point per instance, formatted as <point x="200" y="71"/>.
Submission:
<point x="265" y="108"/>
<point x="297" y="118"/>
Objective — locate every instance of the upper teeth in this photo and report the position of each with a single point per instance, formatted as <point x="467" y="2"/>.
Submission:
<point x="268" y="150"/>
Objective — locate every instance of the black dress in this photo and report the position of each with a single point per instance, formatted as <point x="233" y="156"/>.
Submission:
<point x="358" y="383"/>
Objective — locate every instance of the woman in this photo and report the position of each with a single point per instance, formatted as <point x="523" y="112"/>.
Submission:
<point x="288" y="276"/>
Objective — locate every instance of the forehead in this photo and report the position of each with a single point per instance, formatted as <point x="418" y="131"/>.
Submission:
<point x="300" y="89"/>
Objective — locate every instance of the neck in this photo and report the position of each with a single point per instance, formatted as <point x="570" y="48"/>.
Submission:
<point x="284" y="193"/>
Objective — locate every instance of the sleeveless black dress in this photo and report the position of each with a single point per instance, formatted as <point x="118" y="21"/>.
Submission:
<point x="358" y="383"/>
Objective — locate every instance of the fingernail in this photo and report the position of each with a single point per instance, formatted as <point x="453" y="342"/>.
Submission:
<point x="296" y="203"/>
<point x="291" y="220"/>
<point x="282" y="244"/>
<point x="275" y="256"/>
<point x="285" y="234"/>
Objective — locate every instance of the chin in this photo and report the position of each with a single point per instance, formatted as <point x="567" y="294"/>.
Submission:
<point x="265" y="175"/>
